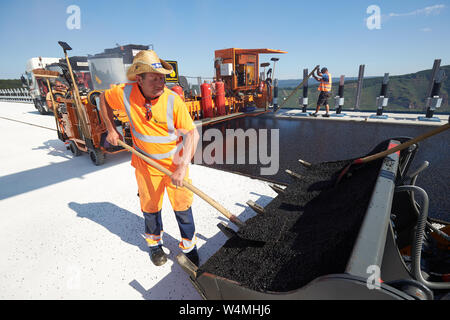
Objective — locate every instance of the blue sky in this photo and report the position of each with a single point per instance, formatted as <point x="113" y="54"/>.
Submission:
<point x="330" y="33"/>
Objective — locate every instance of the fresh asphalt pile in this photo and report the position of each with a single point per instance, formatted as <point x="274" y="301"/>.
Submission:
<point x="304" y="233"/>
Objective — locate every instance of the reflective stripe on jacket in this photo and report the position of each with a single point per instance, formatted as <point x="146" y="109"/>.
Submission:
<point x="156" y="146"/>
<point x="325" y="85"/>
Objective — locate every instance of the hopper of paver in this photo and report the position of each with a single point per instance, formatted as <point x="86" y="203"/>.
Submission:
<point x="323" y="238"/>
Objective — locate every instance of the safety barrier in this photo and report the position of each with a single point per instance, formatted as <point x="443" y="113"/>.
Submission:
<point x="433" y="99"/>
<point x="15" y="95"/>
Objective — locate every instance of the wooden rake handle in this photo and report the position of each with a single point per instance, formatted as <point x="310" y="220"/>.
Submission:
<point x="186" y="184"/>
<point x="393" y="150"/>
<point x="404" y="145"/>
<point x="298" y="87"/>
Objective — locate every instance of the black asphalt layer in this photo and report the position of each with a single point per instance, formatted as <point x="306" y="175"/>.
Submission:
<point x="307" y="232"/>
<point x="317" y="140"/>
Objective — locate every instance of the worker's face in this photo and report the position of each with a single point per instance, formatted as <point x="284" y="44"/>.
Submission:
<point x="152" y="84"/>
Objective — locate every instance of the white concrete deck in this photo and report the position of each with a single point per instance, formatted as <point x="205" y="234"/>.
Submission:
<point x="71" y="230"/>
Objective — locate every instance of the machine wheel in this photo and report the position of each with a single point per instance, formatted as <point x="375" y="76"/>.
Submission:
<point x="97" y="157"/>
<point x="40" y="107"/>
<point x="74" y="149"/>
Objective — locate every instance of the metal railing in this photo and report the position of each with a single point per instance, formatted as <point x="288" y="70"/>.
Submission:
<point x="371" y="94"/>
<point x="15" y="95"/>
<point x="22" y="94"/>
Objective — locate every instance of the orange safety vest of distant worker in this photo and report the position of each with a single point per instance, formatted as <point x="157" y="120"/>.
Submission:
<point x="325" y="84"/>
<point x="158" y="136"/>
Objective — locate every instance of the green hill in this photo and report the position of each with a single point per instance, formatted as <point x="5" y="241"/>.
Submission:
<point x="405" y="92"/>
<point x="10" y="83"/>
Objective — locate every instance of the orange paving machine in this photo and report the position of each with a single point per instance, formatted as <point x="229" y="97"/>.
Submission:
<point x="238" y="89"/>
<point x="79" y="122"/>
<point x="238" y="85"/>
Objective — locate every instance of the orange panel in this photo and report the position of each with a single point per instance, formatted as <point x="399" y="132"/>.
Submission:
<point x="257" y="51"/>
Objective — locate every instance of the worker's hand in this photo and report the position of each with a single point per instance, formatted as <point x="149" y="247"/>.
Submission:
<point x="113" y="136"/>
<point x="178" y="176"/>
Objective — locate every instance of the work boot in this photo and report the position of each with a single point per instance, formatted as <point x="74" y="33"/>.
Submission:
<point x="157" y="255"/>
<point x="193" y="256"/>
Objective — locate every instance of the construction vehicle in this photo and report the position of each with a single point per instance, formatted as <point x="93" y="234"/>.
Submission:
<point x="79" y="121"/>
<point x="81" y="72"/>
<point x="80" y="69"/>
<point x="238" y="86"/>
<point x="78" y="118"/>
<point x="58" y="91"/>
<point x="244" y="84"/>
<point x="339" y="241"/>
<point x="231" y="93"/>
<point x="37" y="87"/>
<point x="109" y="68"/>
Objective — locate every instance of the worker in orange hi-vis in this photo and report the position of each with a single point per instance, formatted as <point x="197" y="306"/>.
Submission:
<point x="324" y="77"/>
<point x="163" y="130"/>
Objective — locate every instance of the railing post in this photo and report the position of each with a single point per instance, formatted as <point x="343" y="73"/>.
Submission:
<point x="382" y="100"/>
<point x="339" y="99"/>
<point x="434" y="72"/>
<point x="303" y="99"/>
<point x="359" y="87"/>
<point x="305" y="91"/>
<point x="15" y="95"/>
<point x="433" y="100"/>
<point x="275" y="95"/>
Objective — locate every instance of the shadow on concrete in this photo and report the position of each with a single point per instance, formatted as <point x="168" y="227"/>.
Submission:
<point x="129" y="227"/>
<point x="55" y="148"/>
<point x="42" y="115"/>
<point x="32" y="179"/>
<point x="123" y="223"/>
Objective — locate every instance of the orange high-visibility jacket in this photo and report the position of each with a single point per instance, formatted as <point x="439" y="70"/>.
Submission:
<point x="159" y="137"/>
<point x="325" y="85"/>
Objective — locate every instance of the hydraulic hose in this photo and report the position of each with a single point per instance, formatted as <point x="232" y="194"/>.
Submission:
<point x="413" y="177"/>
<point x="418" y="240"/>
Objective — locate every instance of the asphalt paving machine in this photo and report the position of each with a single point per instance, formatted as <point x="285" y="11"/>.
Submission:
<point x="336" y="232"/>
<point x="79" y="122"/>
<point x="238" y="85"/>
<point x="37" y="86"/>
<point x="244" y="84"/>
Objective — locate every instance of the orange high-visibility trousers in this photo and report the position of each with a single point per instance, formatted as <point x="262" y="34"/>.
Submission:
<point x="151" y="192"/>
